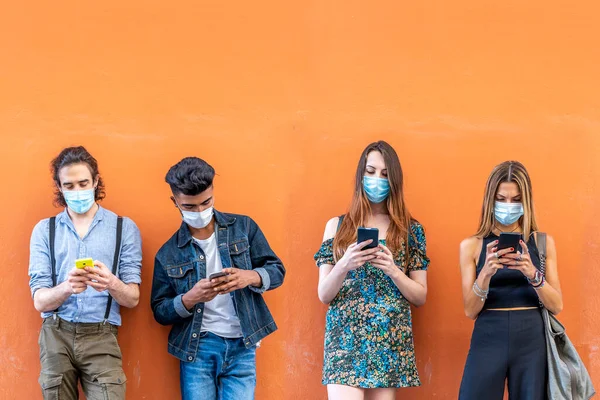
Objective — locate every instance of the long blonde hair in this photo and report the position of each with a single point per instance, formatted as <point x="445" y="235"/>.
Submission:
<point x="508" y="171"/>
<point x="360" y="208"/>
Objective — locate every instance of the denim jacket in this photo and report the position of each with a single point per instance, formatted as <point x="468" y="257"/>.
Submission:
<point x="180" y="263"/>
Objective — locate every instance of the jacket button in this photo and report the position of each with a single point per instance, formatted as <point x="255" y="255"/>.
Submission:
<point x="202" y="257"/>
<point x="194" y="335"/>
<point x="190" y="358"/>
<point x="198" y="311"/>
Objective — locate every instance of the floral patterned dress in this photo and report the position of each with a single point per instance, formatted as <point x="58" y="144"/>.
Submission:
<point x="368" y="328"/>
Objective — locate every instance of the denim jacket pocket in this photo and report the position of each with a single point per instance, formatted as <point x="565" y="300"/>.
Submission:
<point x="239" y="250"/>
<point x="181" y="276"/>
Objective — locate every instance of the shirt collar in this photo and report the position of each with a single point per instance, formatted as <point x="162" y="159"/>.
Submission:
<point x="64" y="217"/>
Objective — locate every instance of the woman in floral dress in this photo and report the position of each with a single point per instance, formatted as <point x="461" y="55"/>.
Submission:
<point x="369" y="350"/>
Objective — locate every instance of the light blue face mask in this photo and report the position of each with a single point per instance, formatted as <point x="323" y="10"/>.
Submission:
<point x="80" y="201"/>
<point x="377" y="189"/>
<point x="508" y="213"/>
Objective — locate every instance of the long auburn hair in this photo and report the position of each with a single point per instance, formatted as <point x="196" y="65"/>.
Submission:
<point x="508" y="171"/>
<point x="360" y="208"/>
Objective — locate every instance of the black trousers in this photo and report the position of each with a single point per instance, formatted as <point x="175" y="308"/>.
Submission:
<point x="506" y="346"/>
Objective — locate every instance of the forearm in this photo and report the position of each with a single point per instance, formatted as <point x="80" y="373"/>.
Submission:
<point x="124" y="294"/>
<point x="49" y="299"/>
<point x="473" y="303"/>
<point x="413" y="291"/>
<point x="271" y="276"/>
<point x="551" y="298"/>
<point x="330" y="286"/>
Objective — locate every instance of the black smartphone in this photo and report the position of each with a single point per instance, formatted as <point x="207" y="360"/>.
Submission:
<point x="366" y="234"/>
<point x="508" y="240"/>
<point x="217" y="275"/>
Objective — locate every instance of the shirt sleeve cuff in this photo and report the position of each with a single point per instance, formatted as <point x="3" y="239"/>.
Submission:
<point x="131" y="278"/>
<point x="266" y="281"/>
<point x="36" y="288"/>
<point x="180" y="308"/>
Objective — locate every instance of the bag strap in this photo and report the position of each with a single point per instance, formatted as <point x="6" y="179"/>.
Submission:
<point x="541" y="245"/>
<point x="52" y="239"/>
<point x="115" y="263"/>
<point x="340" y="219"/>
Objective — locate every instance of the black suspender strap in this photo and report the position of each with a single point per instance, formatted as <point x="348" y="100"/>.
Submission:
<point x="115" y="260"/>
<point x="52" y="257"/>
<point x="51" y="238"/>
<point x="115" y="263"/>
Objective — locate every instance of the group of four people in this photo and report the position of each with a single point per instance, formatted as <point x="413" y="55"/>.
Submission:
<point x="209" y="278"/>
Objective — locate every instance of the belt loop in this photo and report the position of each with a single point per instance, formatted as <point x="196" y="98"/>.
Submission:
<point x="54" y="315"/>
<point x="57" y="323"/>
<point x="104" y="323"/>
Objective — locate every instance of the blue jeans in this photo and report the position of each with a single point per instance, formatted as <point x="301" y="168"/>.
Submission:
<point x="224" y="370"/>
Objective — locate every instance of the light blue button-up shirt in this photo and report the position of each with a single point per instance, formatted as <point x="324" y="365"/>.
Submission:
<point x="99" y="243"/>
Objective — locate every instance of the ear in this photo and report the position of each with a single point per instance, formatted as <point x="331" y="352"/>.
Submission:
<point x="96" y="180"/>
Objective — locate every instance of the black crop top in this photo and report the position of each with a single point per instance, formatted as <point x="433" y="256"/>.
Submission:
<point x="509" y="288"/>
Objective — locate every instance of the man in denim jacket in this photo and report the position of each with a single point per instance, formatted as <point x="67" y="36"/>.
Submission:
<point x="217" y="322"/>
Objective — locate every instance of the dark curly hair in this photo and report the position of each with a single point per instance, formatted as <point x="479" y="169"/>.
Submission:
<point x="190" y="176"/>
<point x="70" y="156"/>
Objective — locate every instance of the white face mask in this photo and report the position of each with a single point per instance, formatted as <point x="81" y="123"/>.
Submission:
<point x="197" y="220"/>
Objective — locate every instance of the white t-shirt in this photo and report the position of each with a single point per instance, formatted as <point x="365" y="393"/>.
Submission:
<point x="219" y="315"/>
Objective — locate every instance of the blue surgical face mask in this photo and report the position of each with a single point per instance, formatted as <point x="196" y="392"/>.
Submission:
<point x="376" y="189"/>
<point x="80" y="201"/>
<point x="508" y="213"/>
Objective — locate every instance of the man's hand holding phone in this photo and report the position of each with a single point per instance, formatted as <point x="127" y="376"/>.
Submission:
<point x="202" y="292"/>
<point x="235" y="279"/>
<point x="76" y="280"/>
<point x="100" y="277"/>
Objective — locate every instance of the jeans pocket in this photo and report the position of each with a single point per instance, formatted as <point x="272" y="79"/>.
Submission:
<point x="50" y="384"/>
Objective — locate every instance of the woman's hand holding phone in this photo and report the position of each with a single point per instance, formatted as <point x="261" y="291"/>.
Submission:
<point x="356" y="256"/>
<point x="494" y="259"/>
<point x="384" y="260"/>
<point x="522" y="261"/>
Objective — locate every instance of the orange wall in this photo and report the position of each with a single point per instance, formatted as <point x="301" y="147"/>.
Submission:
<point x="281" y="97"/>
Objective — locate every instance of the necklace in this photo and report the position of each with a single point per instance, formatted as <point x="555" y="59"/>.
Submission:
<point x="501" y="231"/>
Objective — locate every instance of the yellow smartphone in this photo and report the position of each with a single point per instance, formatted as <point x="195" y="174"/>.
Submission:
<point x="84" y="262"/>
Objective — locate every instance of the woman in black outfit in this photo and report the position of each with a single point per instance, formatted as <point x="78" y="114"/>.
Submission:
<point x="502" y="291"/>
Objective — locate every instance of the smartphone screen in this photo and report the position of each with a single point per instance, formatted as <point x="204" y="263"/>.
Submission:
<point x="366" y="234"/>
<point x="508" y="240"/>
